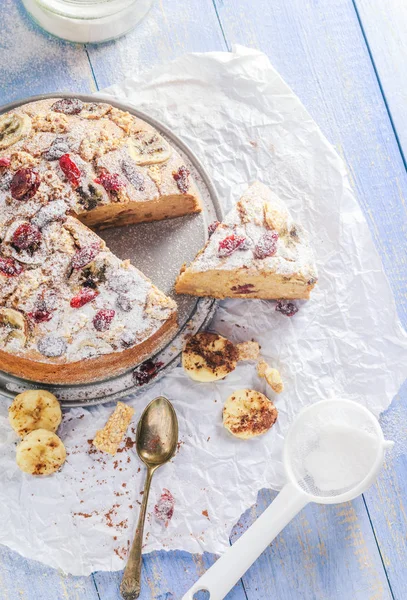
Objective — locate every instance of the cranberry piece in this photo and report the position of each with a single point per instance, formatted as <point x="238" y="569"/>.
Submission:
<point x="286" y="308"/>
<point x="145" y="372"/>
<point x="103" y="319"/>
<point x="133" y="175"/>
<point x="243" y="289"/>
<point x="25" y="184"/>
<point x="4" y="161"/>
<point x="68" y="106"/>
<point x="85" y="255"/>
<point x="70" y="170"/>
<point x="9" y="267"/>
<point x="40" y="316"/>
<point x="164" y="509"/>
<point x="83" y="297"/>
<point x="58" y="148"/>
<point x="212" y="227"/>
<point x="230" y="244"/>
<point x="181" y="178"/>
<point x="267" y="245"/>
<point x="110" y="181"/>
<point x="27" y="237"/>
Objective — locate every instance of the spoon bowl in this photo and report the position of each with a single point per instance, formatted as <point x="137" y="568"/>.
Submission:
<point x="157" y="433"/>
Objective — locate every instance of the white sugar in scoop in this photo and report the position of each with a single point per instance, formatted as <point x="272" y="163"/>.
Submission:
<point x="332" y="453"/>
<point x="333" y="465"/>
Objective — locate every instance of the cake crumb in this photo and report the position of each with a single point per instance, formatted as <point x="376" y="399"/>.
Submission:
<point x="109" y="438"/>
<point x="248" y="350"/>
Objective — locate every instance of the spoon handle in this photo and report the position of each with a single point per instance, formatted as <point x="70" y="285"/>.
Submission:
<point x="130" y="585"/>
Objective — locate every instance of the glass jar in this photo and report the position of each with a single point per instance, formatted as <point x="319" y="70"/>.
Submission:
<point x="87" y="20"/>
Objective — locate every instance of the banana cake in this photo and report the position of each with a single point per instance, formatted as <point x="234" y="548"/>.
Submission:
<point x="70" y="310"/>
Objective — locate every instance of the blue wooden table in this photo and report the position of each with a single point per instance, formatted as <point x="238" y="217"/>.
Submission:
<point x="346" y="60"/>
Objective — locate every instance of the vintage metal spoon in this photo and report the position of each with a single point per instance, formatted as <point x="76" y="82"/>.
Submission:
<point x="157" y="437"/>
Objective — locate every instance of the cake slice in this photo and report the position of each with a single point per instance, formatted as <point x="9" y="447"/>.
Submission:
<point x="70" y="310"/>
<point x="258" y="251"/>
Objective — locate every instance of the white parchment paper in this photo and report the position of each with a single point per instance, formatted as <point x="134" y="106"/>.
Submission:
<point x="244" y="122"/>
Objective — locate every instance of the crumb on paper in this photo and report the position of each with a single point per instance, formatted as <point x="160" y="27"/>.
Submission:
<point x="109" y="438"/>
<point x="164" y="509"/>
<point x="272" y="376"/>
<point x="248" y="350"/>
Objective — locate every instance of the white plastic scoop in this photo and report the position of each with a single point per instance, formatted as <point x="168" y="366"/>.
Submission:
<point x="332" y="453"/>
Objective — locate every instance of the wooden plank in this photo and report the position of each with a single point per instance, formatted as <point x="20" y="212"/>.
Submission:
<point x="384" y="24"/>
<point x="386" y="500"/>
<point x="34" y="62"/>
<point x="325" y="552"/>
<point x="170" y="29"/>
<point x="165" y="576"/>
<point x="319" y="49"/>
<point x="30" y="580"/>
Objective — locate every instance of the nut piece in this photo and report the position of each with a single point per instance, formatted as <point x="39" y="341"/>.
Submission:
<point x="248" y="350"/>
<point x="108" y="439"/>
<point x="248" y="413"/>
<point x="272" y="376"/>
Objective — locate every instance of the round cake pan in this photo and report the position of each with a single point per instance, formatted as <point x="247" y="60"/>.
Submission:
<point x="158" y="249"/>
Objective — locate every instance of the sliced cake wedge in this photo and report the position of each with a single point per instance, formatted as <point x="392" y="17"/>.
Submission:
<point x="258" y="251"/>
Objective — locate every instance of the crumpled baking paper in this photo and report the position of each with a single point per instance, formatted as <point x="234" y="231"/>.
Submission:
<point x="243" y="121"/>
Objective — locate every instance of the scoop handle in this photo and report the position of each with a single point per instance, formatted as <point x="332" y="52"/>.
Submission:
<point x="230" y="567"/>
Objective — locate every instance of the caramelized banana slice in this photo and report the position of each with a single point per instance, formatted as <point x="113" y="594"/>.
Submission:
<point x="208" y="357"/>
<point x="40" y="453"/>
<point x="34" y="409"/>
<point x="248" y="413"/>
<point x="13" y="127"/>
<point x="148" y="148"/>
<point x="13" y="327"/>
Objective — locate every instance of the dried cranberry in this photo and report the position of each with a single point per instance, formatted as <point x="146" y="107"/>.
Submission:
<point x="112" y="182"/>
<point x="145" y="372"/>
<point x="267" y="245"/>
<point x="181" y="178"/>
<point x="286" y="308"/>
<point x="85" y="255"/>
<point x="243" y="289"/>
<point x="58" y="148"/>
<point x="230" y="244"/>
<point x="103" y="319"/>
<point x="25" y="184"/>
<point x="133" y="175"/>
<point x="4" y="161"/>
<point x="164" y="509"/>
<point x="27" y="237"/>
<point x="212" y="227"/>
<point x="70" y="170"/>
<point x="9" y="267"/>
<point x="40" y="316"/>
<point x="83" y="297"/>
<point x="68" y="106"/>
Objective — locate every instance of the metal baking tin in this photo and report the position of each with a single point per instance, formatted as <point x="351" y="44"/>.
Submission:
<point x="158" y="249"/>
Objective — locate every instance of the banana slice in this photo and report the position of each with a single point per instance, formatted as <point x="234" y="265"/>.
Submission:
<point x="272" y="376"/>
<point x="148" y="148"/>
<point x="12" y="128"/>
<point x="208" y="357"/>
<point x="40" y="453"/>
<point x="13" y="327"/>
<point x="34" y="409"/>
<point x="248" y="413"/>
